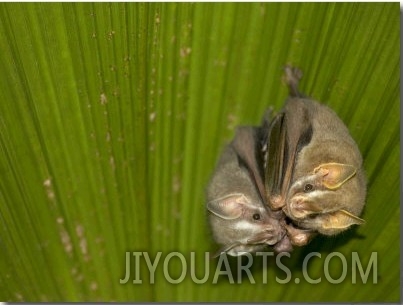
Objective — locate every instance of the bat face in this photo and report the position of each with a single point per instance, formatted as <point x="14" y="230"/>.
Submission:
<point x="308" y="194"/>
<point x="327" y="199"/>
<point x="319" y="181"/>
<point x="239" y="219"/>
<point x="242" y="225"/>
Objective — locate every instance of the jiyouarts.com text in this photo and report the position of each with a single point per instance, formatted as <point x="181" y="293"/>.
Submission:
<point x="141" y="267"/>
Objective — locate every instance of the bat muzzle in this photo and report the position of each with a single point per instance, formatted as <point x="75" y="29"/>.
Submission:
<point x="268" y="236"/>
<point x="300" y="207"/>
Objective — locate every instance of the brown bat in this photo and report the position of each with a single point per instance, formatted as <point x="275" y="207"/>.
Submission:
<point x="314" y="168"/>
<point x="238" y="213"/>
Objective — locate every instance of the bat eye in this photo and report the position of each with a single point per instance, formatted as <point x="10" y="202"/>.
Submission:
<point x="308" y="187"/>
<point x="256" y="216"/>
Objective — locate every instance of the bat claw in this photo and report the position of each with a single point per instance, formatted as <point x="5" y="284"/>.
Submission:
<point x="292" y="76"/>
<point x="276" y="202"/>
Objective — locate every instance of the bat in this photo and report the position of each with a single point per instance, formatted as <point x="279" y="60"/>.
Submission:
<point x="239" y="217"/>
<point x="313" y="168"/>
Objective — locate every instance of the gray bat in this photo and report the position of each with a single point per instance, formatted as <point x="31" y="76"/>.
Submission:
<point x="239" y="216"/>
<point x="314" y="168"/>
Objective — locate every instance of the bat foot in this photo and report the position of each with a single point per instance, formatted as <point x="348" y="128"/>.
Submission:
<point x="299" y="237"/>
<point x="283" y="245"/>
<point x="292" y="76"/>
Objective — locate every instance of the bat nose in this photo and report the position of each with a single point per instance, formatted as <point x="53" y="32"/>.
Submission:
<point x="296" y="202"/>
<point x="274" y="234"/>
<point x="270" y="235"/>
<point x="297" y="207"/>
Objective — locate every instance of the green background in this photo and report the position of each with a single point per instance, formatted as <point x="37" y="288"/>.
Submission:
<point x="112" y="117"/>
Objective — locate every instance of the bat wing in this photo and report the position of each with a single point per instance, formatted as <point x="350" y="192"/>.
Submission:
<point x="289" y="131"/>
<point x="247" y="147"/>
<point x="275" y="164"/>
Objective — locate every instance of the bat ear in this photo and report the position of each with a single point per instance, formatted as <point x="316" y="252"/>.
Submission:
<point x="228" y="207"/>
<point x="341" y="220"/>
<point x="335" y="174"/>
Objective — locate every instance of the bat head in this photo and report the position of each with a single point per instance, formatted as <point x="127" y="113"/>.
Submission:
<point x="241" y="225"/>
<point x="327" y="199"/>
<point x="239" y="218"/>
